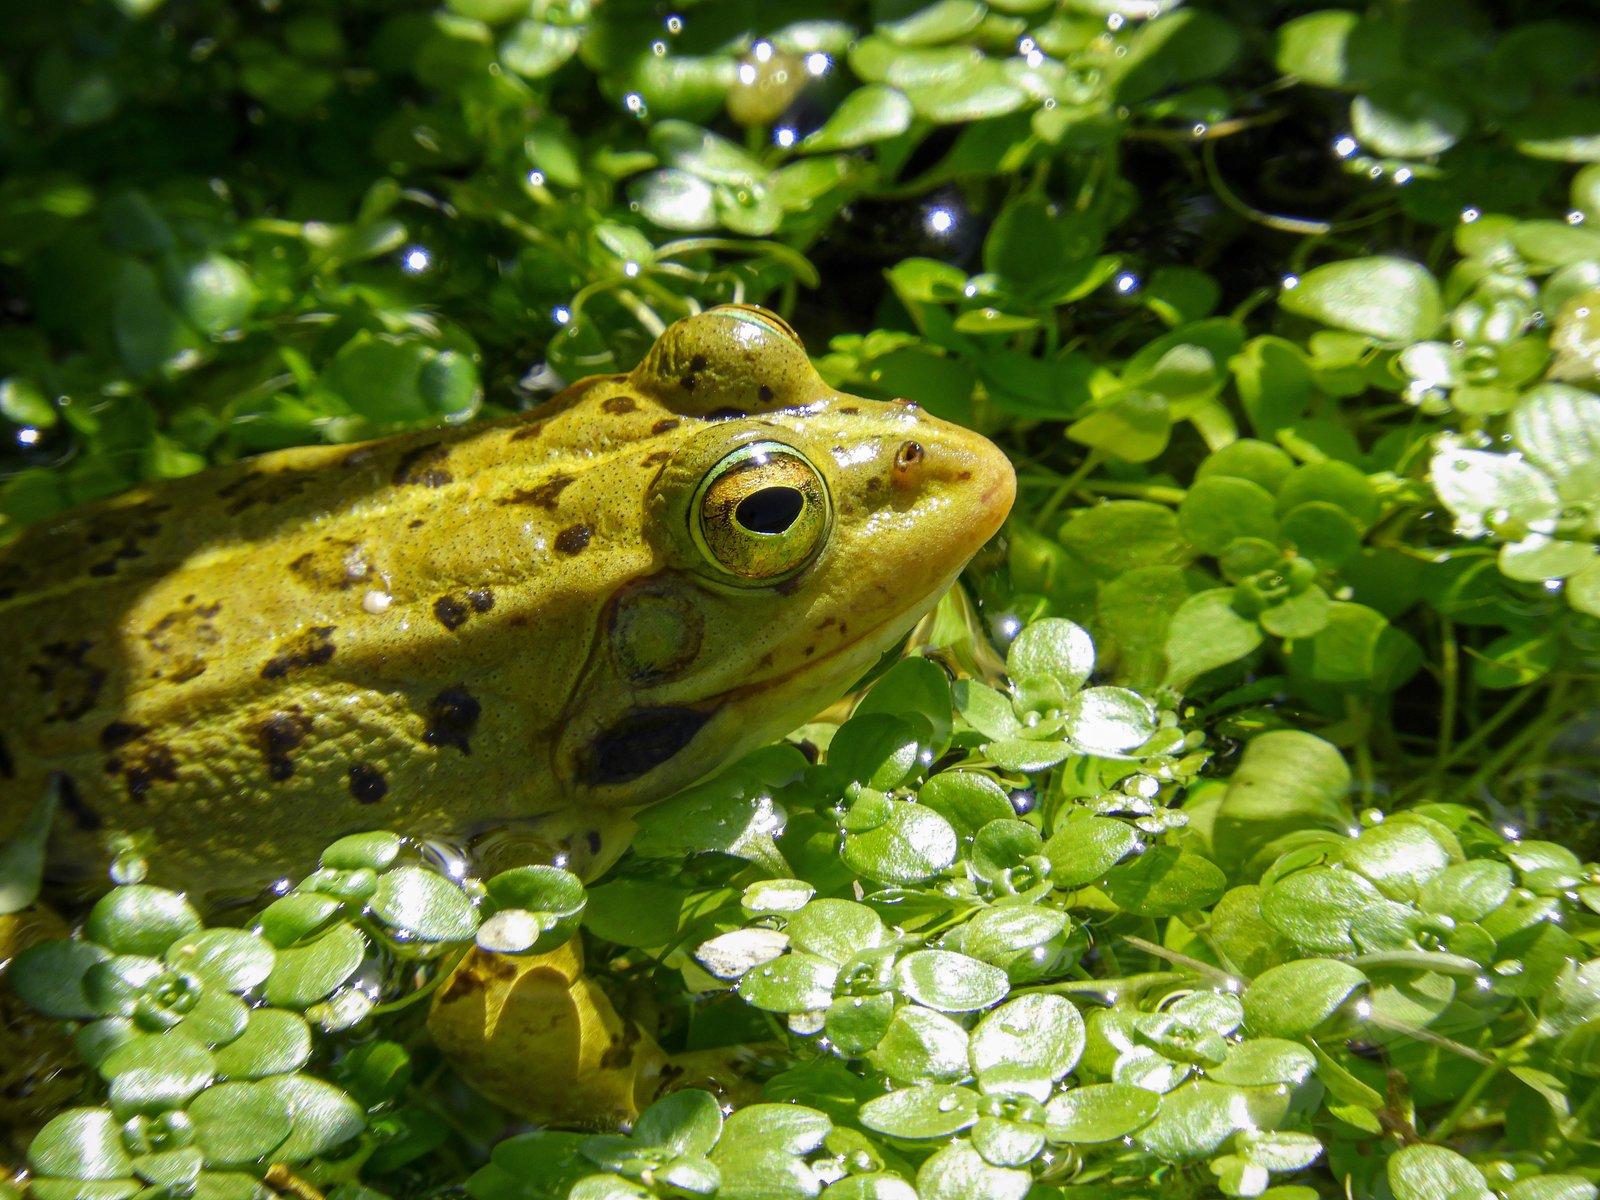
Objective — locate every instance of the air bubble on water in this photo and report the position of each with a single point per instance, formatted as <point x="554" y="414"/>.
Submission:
<point x="129" y="867"/>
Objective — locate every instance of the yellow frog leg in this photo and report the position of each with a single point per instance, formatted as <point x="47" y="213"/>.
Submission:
<point x="537" y="1036"/>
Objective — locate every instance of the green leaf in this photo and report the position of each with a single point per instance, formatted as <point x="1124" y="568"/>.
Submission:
<point x="1165" y="881"/>
<point x="966" y="799"/>
<point x="422" y="904"/>
<point x="959" y="1172"/>
<point x="323" y="1116"/>
<point x="1411" y="119"/>
<point x="873" y="113"/>
<point x="1124" y="534"/>
<point x="80" y="1143"/>
<point x="239" y="1123"/>
<point x="922" y="1046"/>
<point x="1218" y="509"/>
<point x="140" y="919"/>
<point x="950" y="982"/>
<point x="1026" y="1045"/>
<point x="1130" y="424"/>
<point x="926" y="1111"/>
<point x="1296" y="998"/>
<point x="273" y="1042"/>
<point x="1425" y="1172"/>
<point x="1084" y="847"/>
<point x="154" y="1073"/>
<point x="1207" y="633"/>
<point x="836" y="930"/>
<point x="794" y="983"/>
<point x="1052" y="649"/>
<point x="49" y="977"/>
<point x="302" y="975"/>
<point x="913" y="844"/>
<point x="1389" y="299"/>
<point x="1099" y="1112"/>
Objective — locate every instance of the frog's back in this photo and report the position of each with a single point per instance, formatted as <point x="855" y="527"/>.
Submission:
<point x="302" y="637"/>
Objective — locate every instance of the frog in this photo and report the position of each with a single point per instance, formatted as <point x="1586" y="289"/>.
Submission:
<point x="537" y="623"/>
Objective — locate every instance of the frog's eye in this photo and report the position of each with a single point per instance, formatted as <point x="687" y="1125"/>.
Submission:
<point x="761" y="513"/>
<point x="760" y="317"/>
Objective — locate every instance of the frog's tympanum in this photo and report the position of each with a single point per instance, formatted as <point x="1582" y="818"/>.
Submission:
<point x="540" y="622"/>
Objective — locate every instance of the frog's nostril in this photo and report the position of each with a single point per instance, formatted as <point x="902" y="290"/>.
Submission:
<point x="908" y="456"/>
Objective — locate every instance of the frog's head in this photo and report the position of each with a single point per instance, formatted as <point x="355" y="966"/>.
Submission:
<point x="796" y="532"/>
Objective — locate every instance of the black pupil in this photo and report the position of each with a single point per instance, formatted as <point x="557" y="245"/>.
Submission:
<point x="771" y="510"/>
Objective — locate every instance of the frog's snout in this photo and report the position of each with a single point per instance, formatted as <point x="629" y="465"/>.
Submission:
<point x="959" y="470"/>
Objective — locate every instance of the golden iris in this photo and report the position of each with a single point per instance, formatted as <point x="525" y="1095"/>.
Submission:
<point x="762" y="513"/>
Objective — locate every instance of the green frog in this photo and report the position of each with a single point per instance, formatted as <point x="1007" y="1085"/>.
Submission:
<point x="538" y="623"/>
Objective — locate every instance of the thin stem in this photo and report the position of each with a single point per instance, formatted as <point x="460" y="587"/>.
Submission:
<point x="1462" y="1106"/>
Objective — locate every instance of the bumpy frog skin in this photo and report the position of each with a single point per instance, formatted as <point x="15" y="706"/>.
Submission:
<point x="543" y="621"/>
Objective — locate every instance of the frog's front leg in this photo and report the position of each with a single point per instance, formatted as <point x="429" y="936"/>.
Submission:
<point x="540" y="1038"/>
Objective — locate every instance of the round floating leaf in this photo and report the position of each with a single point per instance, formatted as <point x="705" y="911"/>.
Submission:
<point x="1165" y="881"/>
<point x="879" y="749"/>
<point x="794" y="983"/>
<point x="1399" y="856"/>
<point x="49" y="978"/>
<point x="730" y="955"/>
<point x="1315" y="908"/>
<point x="302" y="975"/>
<point x="1109" y="720"/>
<point x="80" y="1143"/>
<point x="1407" y="120"/>
<point x="836" y="930"/>
<point x="950" y="982"/>
<point x="913" y="844"/>
<point x="855" y="1024"/>
<point x="140" y="919"/>
<point x="1390" y="299"/>
<point x="273" y="1043"/>
<point x="1085" y="847"/>
<point x="240" y="1123"/>
<point x="322" y="1116"/>
<point x="1425" y="1172"/>
<point x="929" y="1111"/>
<point x="1100" y="1112"/>
<point x="1123" y="534"/>
<point x="675" y="199"/>
<point x="1220" y="509"/>
<point x="1467" y="892"/>
<point x="375" y="851"/>
<point x="869" y="114"/>
<point x="1054" y="649"/>
<point x="966" y="799"/>
<point x="958" y="1172"/>
<point x="1558" y="428"/>
<point x="922" y="1046"/>
<point x="683" y="1123"/>
<point x="1026" y="1045"/>
<point x="1195" y="1120"/>
<point x="1265" y="1062"/>
<point x="1480" y="487"/>
<point x="1027" y="756"/>
<point x="1206" y="633"/>
<point x="916" y="686"/>
<point x="157" y="1072"/>
<point x="1292" y="1000"/>
<point x="423" y="904"/>
<point x="228" y="958"/>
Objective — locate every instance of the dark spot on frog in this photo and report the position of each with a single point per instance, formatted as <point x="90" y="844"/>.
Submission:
<point x="655" y="458"/>
<point x="418" y="523"/>
<point x="791" y="585"/>
<point x="338" y="564"/>
<point x="120" y="733"/>
<point x="665" y="425"/>
<point x="810" y="650"/>
<point x="526" y="432"/>
<point x="423" y="466"/>
<point x="574" y="539"/>
<point x="260" y="487"/>
<point x="594" y="841"/>
<point x="687" y="383"/>
<point x="367" y="784"/>
<point x="277" y="736"/>
<point x="66" y="674"/>
<point x="765" y="394"/>
<point x="451" y="613"/>
<point x="619" y="405"/>
<point x="149" y="763"/>
<point x="849" y="412"/>
<point x="639" y="742"/>
<point x="8" y="768"/>
<point x="452" y="716"/>
<point x="72" y="802"/>
<point x="620" y="1052"/>
<point x="726" y="414"/>
<point x="311" y="647"/>
<point x="963" y="476"/>
<point x="544" y="496"/>
<point x="359" y="457"/>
